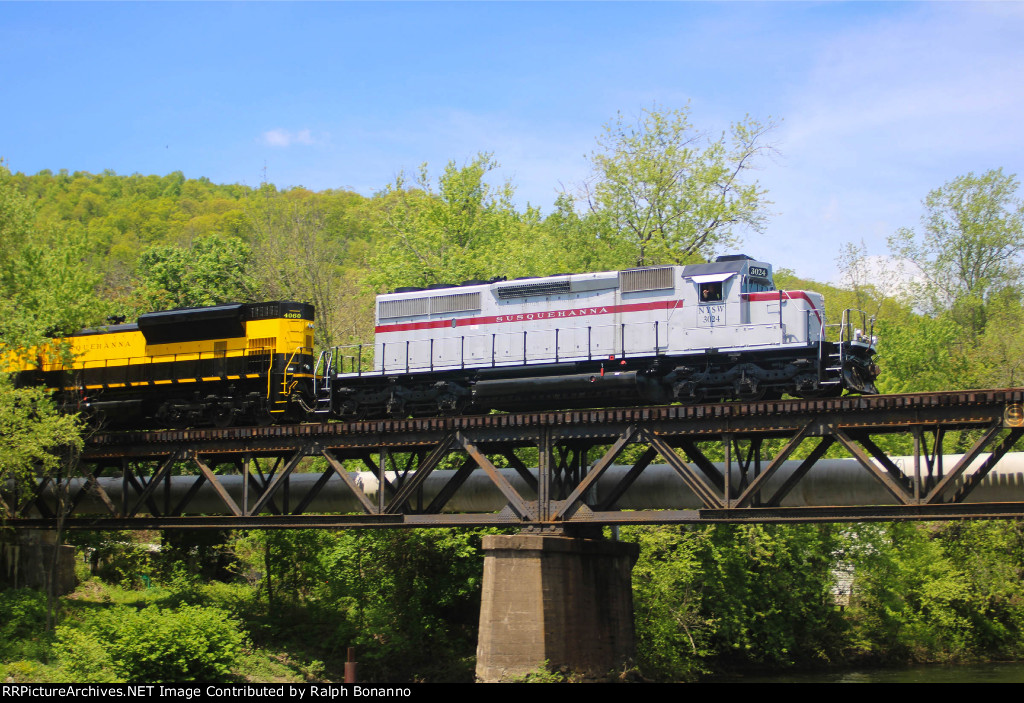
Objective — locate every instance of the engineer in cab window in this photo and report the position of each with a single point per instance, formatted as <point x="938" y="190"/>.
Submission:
<point x="711" y="292"/>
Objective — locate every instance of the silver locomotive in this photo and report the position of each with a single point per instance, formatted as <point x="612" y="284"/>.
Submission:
<point x="696" y="333"/>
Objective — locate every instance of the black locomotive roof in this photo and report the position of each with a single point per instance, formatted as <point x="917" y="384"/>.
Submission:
<point x="730" y="266"/>
<point x="109" y="329"/>
<point x="193" y="324"/>
<point x="209" y="322"/>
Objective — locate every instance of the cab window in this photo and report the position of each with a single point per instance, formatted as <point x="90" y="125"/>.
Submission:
<point x="711" y="292"/>
<point x="754" y="285"/>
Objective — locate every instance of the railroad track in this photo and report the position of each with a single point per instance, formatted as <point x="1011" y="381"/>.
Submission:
<point x="898" y="410"/>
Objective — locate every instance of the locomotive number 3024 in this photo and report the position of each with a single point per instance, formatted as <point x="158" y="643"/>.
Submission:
<point x="710" y="315"/>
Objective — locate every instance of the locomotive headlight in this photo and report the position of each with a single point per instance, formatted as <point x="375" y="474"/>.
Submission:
<point x="858" y="334"/>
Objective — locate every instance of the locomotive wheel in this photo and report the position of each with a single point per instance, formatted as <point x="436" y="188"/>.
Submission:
<point x="762" y="393"/>
<point x="450" y="404"/>
<point x="173" y="416"/>
<point x="821" y="392"/>
<point x="223" y="416"/>
<point x="697" y="396"/>
<point x="262" y="418"/>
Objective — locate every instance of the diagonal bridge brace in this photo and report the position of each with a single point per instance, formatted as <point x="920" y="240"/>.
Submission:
<point x="515" y="501"/>
<point x="145" y="496"/>
<point x="891" y="478"/>
<point x="599" y="467"/>
<point x="705" y="493"/>
<point x="972" y="481"/>
<point x="744" y="499"/>
<point x="411" y="485"/>
<point x="275" y="483"/>
<point x="368" y="507"/>
<point x="208" y="474"/>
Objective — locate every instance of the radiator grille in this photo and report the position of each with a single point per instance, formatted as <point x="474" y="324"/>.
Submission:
<point x="645" y="279"/>
<point x="459" y="302"/>
<point x="530" y="289"/>
<point x="438" y="304"/>
<point x="403" y="308"/>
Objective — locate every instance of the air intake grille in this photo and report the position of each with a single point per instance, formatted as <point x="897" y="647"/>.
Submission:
<point x="459" y="302"/>
<point x="438" y="304"/>
<point x="530" y="289"/>
<point x="403" y="308"/>
<point x="645" y="279"/>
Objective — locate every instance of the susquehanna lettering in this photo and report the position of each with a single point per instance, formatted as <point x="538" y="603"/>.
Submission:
<point x="578" y="312"/>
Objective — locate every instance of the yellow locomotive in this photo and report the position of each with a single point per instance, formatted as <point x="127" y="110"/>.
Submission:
<point x="219" y="365"/>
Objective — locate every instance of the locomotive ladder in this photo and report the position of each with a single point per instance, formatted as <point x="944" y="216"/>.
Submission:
<point x="835" y="361"/>
<point x="322" y="383"/>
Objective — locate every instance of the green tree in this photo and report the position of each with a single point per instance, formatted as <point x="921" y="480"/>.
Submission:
<point x="213" y="270"/>
<point x="307" y="247"/>
<point x="969" y="248"/>
<point x="672" y="629"/>
<point x="44" y="290"/>
<point x="669" y="193"/>
<point x="409" y="601"/>
<point x="920" y="353"/>
<point x="35" y="439"/>
<point x="464" y="230"/>
<point x="416" y="596"/>
<point x="119" y="217"/>
<point x="768" y="590"/>
<point x="998" y="360"/>
<point x="934" y="592"/>
<point x="575" y="242"/>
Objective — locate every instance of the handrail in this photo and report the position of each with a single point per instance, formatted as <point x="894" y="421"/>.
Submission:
<point x="286" y="372"/>
<point x="619" y="348"/>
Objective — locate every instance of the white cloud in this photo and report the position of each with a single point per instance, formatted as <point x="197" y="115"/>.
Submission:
<point x="285" y="138"/>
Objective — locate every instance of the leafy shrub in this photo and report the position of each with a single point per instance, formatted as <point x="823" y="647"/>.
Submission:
<point x="84" y="657"/>
<point x="191" y="643"/>
<point x="671" y="631"/>
<point x="939" y="592"/>
<point x="22" y="619"/>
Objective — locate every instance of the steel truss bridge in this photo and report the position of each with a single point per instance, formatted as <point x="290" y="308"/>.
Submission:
<point x="572" y="451"/>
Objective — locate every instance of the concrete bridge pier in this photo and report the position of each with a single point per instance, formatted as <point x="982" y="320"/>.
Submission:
<point x="26" y="561"/>
<point x="552" y="597"/>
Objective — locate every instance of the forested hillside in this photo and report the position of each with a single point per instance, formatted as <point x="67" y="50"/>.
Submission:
<point x="78" y="247"/>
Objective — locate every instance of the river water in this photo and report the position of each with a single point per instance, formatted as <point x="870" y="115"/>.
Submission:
<point x="973" y="673"/>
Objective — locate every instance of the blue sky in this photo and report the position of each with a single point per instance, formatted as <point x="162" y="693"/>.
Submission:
<point x="879" y="102"/>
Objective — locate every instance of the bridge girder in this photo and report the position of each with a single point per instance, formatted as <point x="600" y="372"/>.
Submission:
<point x="574" y="450"/>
